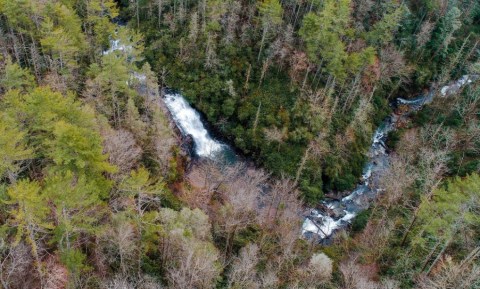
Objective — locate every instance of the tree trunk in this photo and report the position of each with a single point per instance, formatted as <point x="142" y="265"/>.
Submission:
<point x="305" y="78"/>
<point x="302" y="164"/>
<point x="351" y="94"/>
<point x="409" y="228"/>
<point x="264" y="35"/>
<point x="33" y="246"/>
<point x="265" y="66"/>
<point x="439" y="256"/>
<point x="137" y="12"/>
<point x="425" y="263"/>
<point x="247" y="78"/>
<point x="415" y="214"/>
<point x="256" y="117"/>
<point x="471" y="256"/>
<point x="160" y="7"/>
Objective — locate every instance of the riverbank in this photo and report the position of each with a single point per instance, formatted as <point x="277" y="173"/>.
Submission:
<point x="337" y="214"/>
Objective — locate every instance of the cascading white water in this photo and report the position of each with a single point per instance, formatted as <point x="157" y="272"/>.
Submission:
<point x="186" y="118"/>
<point x="116" y="45"/>
<point x="324" y="224"/>
<point x="189" y="122"/>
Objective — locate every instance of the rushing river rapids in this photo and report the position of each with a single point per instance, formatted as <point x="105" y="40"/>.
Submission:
<point x="339" y="213"/>
<point x="335" y="214"/>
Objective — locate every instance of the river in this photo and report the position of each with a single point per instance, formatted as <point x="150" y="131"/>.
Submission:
<point x="338" y="214"/>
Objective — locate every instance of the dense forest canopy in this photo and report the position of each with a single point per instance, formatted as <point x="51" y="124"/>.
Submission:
<point x="97" y="189"/>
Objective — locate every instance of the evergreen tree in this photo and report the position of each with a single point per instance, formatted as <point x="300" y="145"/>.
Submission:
<point x="271" y="17"/>
<point x="16" y="77"/>
<point x="13" y="148"/>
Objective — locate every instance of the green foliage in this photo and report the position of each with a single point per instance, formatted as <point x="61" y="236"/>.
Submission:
<point x="61" y="129"/>
<point x="450" y="209"/>
<point x="13" y="147"/>
<point x="188" y="223"/>
<point x="75" y="261"/>
<point x="77" y="149"/>
<point x="271" y="12"/>
<point x="449" y="24"/>
<point x="323" y="33"/>
<point x="30" y="212"/>
<point x="16" y="77"/>
<point x="393" y="138"/>
<point x="361" y="220"/>
<point x="298" y="87"/>
<point x="72" y="195"/>
<point x="383" y="31"/>
<point x="17" y="13"/>
<point x="97" y="20"/>
<point x="245" y="237"/>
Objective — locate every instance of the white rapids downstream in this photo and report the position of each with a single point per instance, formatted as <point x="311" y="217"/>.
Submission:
<point x="338" y="214"/>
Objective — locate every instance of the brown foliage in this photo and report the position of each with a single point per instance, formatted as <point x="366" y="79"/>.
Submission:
<point x="451" y="275"/>
<point x="356" y="276"/>
<point x="393" y="65"/>
<point x="16" y="266"/>
<point x="57" y="274"/>
<point x="123" y="150"/>
<point x="299" y="65"/>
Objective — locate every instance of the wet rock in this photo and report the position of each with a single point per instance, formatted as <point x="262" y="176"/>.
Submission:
<point x="338" y="213"/>
<point x="188" y="146"/>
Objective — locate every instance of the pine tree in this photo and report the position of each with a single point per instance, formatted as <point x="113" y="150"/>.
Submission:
<point x="142" y="191"/>
<point x="77" y="207"/>
<point x="323" y="32"/>
<point x="450" y="209"/>
<point x="271" y="17"/>
<point x="16" y="77"/>
<point x="29" y="216"/>
<point x="13" y="148"/>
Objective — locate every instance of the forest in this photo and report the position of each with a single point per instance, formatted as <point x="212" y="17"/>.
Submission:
<point x="101" y="188"/>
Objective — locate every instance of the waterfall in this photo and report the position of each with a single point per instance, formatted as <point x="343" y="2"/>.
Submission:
<point x="186" y="118"/>
<point x="190" y="123"/>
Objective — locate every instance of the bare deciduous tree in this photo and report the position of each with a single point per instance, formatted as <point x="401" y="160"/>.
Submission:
<point x="375" y="237"/>
<point x="244" y="273"/>
<point x="281" y="216"/>
<point x="121" y="246"/>
<point x="232" y="22"/>
<point x="423" y="36"/>
<point x="318" y="270"/>
<point x="195" y="267"/>
<point x="240" y="202"/>
<point x="56" y="276"/>
<point x="356" y="276"/>
<point x="393" y="65"/>
<point x="465" y="274"/>
<point x="129" y="282"/>
<point x="211" y="59"/>
<point x="396" y="179"/>
<point x="15" y="263"/>
<point x="122" y="150"/>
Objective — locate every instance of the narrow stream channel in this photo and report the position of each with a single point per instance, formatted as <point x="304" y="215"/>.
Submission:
<point x="339" y="213"/>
